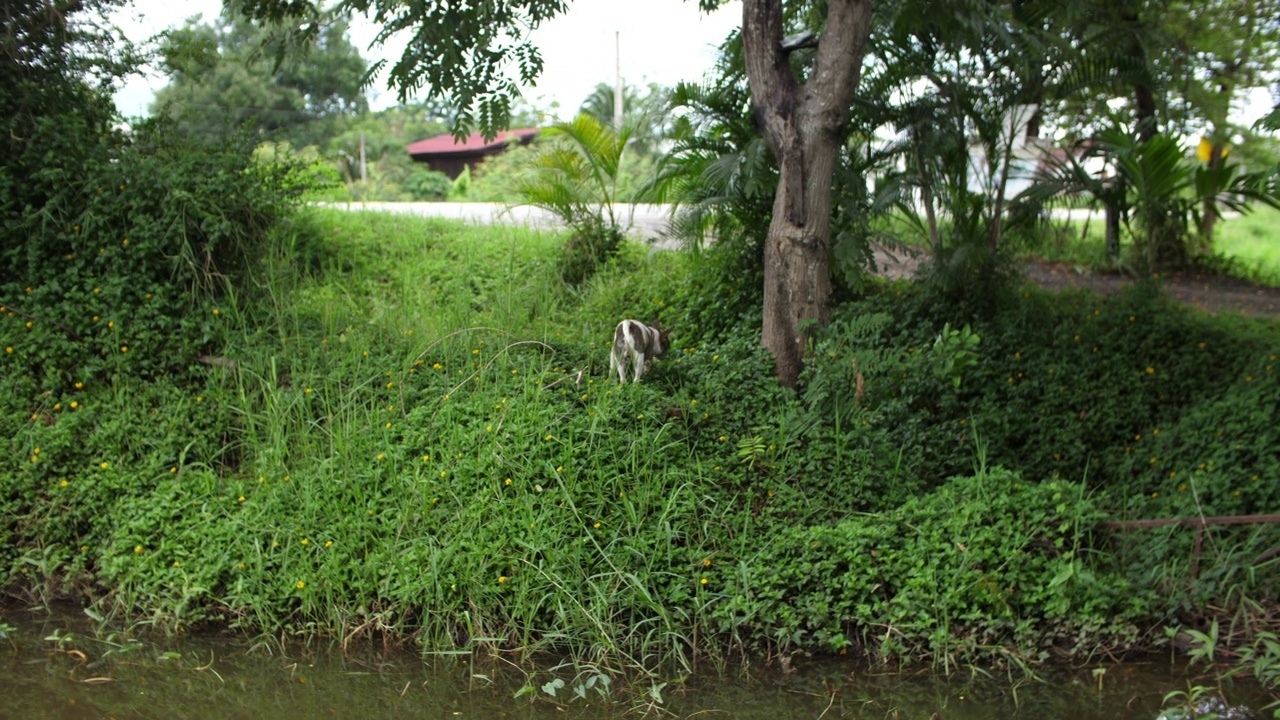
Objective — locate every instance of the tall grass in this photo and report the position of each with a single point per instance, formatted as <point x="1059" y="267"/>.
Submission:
<point x="1253" y="242"/>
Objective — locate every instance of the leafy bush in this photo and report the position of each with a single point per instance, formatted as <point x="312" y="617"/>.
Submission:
<point x="117" y="272"/>
<point x="428" y="186"/>
<point x="980" y="561"/>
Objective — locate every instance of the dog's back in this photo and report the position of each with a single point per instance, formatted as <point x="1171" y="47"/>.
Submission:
<point x="634" y="339"/>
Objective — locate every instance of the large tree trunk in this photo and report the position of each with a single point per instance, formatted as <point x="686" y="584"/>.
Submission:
<point x="803" y="125"/>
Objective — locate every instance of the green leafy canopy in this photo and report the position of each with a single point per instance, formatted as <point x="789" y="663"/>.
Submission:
<point x="462" y="52"/>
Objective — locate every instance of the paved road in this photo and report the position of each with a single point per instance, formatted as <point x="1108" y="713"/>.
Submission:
<point x="647" y="222"/>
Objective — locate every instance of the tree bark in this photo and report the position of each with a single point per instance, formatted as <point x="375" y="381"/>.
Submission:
<point x="803" y="125"/>
<point x="1209" y="217"/>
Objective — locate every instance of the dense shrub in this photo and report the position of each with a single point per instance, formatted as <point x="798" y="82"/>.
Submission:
<point x="983" y="559"/>
<point x="117" y="272"/>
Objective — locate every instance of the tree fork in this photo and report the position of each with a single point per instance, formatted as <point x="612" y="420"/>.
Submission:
<point x="803" y="126"/>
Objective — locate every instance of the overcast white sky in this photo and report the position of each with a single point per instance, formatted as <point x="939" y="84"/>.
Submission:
<point x="662" y="41"/>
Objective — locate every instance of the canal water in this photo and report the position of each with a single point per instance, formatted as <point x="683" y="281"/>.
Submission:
<point x="61" y="668"/>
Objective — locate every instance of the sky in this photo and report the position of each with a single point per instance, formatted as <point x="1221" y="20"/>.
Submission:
<point x="662" y="41"/>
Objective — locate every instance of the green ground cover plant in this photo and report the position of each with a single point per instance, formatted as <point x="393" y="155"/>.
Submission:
<point x="403" y="430"/>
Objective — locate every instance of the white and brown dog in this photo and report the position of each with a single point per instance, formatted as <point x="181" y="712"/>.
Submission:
<point x="639" y="341"/>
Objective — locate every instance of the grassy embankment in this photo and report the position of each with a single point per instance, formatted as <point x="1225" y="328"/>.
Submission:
<point x="389" y="441"/>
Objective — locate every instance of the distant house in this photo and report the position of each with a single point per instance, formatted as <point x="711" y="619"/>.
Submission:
<point x="445" y="154"/>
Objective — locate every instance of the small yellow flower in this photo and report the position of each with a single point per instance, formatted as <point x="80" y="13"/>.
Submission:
<point x="1151" y="371"/>
<point x="443" y="473"/>
<point x="137" y="549"/>
<point x="275" y="543"/>
<point x="559" y="468"/>
<point x="436" y="366"/>
<point x="74" y="404"/>
<point x="125" y="242"/>
<point x="241" y="566"/>
<point x="475" y="351"/>
<point x="9" y="349"/>
<point x="596" y="526"/>
<point x="306" y="541"/>
<point x="388" y="425"/>
<point x="240" y="499"/>
<point x="111" y="324"/>
<point x="79" y="386"/>
<point x="704" y="581"/>
<point x="502" y="579"/>
<point x="173" y="469"/>
<point x="199" y="398"/>
<point x="382" y="456"/>
<point x="1155" y="494"/>
<point x="104" y="465"/>
<point x="723" y="438"/>
<point x="390" y="385"/>
<point x="64" y="483"/>
<point x="301" y="584"/>
<point x="57" y="406"/>
<point x="307" y="391"/>
<point x="216" y="311"/>
<point x="706" y="562"/>
<point x="176" y="563"/>
<point x="328" y="543"/>
<point x="124" y="348"/>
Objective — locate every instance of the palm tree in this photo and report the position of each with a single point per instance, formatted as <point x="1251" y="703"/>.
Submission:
<point x="575" y="177"/>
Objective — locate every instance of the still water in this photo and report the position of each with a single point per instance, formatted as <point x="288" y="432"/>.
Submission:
<point x="61" y="668"/>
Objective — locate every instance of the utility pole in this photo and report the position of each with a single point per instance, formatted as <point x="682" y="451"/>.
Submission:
<point x="364" y="167"/>
<point x="617" y="82"/>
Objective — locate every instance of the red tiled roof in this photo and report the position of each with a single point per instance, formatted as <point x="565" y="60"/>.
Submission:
<point x="442" y="145"/>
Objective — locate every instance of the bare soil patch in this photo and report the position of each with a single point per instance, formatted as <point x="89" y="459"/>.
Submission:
<point x="1210" y="293"/>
